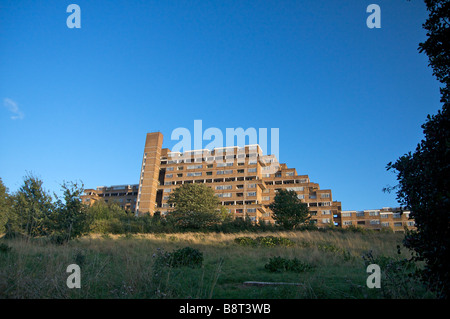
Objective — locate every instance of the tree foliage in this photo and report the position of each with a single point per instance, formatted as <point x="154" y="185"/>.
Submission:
<point x="288" y="210"/>
<point x="423" y="175"/>
<point x="4" y="197"/>
<point x="195" y="206"/>
<point x="69" y="218"/>
<point x="32" y="206"/>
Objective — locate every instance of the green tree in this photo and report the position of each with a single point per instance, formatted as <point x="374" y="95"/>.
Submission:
<point x="108" y="217"/>
<point x="32" y="206"/>
<point x="288" y="210"/>
<point x="69" y="218"/>
<point x="4" y="198"/>
<point x="423" y="176"/>
<point x="195" y="206"/>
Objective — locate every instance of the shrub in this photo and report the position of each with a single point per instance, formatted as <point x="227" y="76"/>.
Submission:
<point x="245" y="241"/>
<point x="271" y="241"/>
<point x="280" y="264"/>
<point x="4" y="248"/>
<point x="186" y="256"/>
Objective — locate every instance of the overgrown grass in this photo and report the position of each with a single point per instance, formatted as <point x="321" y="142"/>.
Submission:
<point x="123" y="266"/>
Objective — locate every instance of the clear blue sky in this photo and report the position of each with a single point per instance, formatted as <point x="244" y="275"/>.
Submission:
<point x="77" y="103"/>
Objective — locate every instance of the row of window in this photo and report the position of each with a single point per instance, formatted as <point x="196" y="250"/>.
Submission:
<point x="374" y="213"/>
<point x="221" y="172"/>
<point x="377" y="222"/>
<point x="212" y="159"/>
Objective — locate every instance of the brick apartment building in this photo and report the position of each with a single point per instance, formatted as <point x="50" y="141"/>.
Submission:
<point x="243" y="178"/>
<point x="377" y="219"/>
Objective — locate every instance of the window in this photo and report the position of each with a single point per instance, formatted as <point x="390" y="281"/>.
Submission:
<point x="180" y="168"/>
<point x="208" y="173"/>
<point x="397" y="215"/>
<point x="224" y="172"/>
<point x="224" y="195"/>
<point x="252" y="162"/>
<point x="385" y="224"/>
<point x="399" y="224"/>
<point x="374" y="222"/>
<point x="360" y="214"/>
<point x="266" y="198"/>
<point x="251" y="210"/>
<point x="326" y="212"/>
<point x="166" y="198"/>
<point x="326" y="195"/>
<point x="374" y="213"/>
<point x="362" y="222"/>
<point x="346" y="214"/>
<point x="326" y="220"/>
<point x="251" y="194"/>
<point x="384" y="215"/>
<point x="167" y="183"/>
<point x="347" y="222"/>
<point x="410" y="223"/>
<point x="194" y="166"/>
<point x="167" y="190"/>
<point x="169" y="175"/>
<point x="325" y="204"/>
<point x="224" y="187"/>
<point x="194" y="174"/>
<point x="252" y="170"/>
<point x="224" y="164"/>
<point x="295" y="189"/>
<point x="290" y="174"/>
<point x="252" y="186"/>
<point x="169" y="169"/>
<point x="301" y="196"/>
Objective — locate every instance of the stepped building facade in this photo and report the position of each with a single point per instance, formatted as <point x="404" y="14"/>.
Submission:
<point x="244" y="179"/>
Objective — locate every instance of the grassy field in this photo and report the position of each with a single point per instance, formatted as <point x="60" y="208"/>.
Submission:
<point x="124" y="267"/>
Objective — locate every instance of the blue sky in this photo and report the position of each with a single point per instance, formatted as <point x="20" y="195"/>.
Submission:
<point x="77" y="103"/>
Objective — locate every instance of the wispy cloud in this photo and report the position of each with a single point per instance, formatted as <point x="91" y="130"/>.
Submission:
<point x="13" y="107"/>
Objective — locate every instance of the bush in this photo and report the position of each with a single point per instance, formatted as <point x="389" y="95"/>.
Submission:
<point x="187" y="256"/>
<point x="280" y="264"/>
<point x="245" y="241"/>
<point x="4" y="248"/>
<point x="271" y="241"/>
